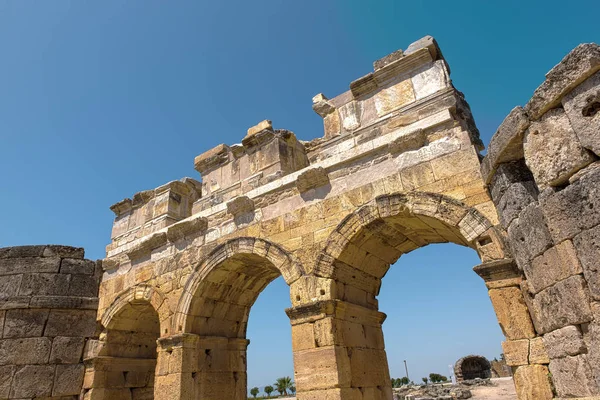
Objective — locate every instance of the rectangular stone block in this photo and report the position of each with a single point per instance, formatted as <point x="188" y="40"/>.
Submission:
<point x="6" y="376"/>
<point x="552" y="150"/>
<point x="537" y="352"/>
<point x="45" y="284"/>
<point x="71" y="323"/>
<point x="528" y="235"/>
<point x="516" y="352"/>
<point x="67" y="350"/>
<point x="582" y="106"/>
<point x="587" y="245"/>
<point x="515" y="199"/>
<point x="430" y="79"/>
<point x="28" y="265"/>
<point x="507" y="174"/>
<point x="9" y="285"/>
<point x="567" y="341"/>
<point x="573" y="209"/>
<point x="322" y="368"/>
<point x="566" y="303"/>
<point x="68" y="380"/>
<point x="557" y="263"/>
<point x="25" y="323"/>
<point x="512" y="313"/>
<point x="532" y="383"/>
<point x="33" y="381"/>
<point x="394" y="96"/>
<point x="572" y="377"/>
<point x="25" y="351"/>
<point x="77" y="266"/>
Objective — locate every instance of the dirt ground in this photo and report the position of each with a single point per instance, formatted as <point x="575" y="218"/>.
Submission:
<point x="505" y="390"/>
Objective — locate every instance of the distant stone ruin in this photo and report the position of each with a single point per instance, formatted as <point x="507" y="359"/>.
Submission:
<point x="472" y="367"/>
<point x="398" y="168"/>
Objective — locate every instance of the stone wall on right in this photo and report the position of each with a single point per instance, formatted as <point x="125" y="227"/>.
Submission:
<point x="543" y="174"/>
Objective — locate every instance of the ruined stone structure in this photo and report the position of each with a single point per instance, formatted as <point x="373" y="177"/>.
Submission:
<point x="48" y="307"/>
<point x="399" y="167"/>
<point x="472" y="367"/>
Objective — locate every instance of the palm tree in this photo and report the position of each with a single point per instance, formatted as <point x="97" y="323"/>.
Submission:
<point x="283" y="384"/>
<point x="268" y="390"/>
<point x="254" y="391"/>
<point x="293" y="389"/>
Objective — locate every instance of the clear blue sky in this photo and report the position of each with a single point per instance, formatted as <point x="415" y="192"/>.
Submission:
<point x="99" y="100"/>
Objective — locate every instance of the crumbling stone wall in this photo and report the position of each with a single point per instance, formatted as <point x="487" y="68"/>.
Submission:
<point x="543" y="175"/>
<point x="48" y="306"/>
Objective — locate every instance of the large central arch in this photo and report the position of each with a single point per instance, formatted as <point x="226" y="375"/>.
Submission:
<point x="347" y="351"/>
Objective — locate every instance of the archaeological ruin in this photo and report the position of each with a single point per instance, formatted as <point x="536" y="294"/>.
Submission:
<point x="472" y="367"/>
<point x="400" y="166"/>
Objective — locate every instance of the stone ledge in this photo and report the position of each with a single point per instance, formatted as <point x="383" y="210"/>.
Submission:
<point x="507" y="143"/>
<point x="147" y="244"/>
<point x="186" y="227"/>
<point x="311" y="179"/>
<point x="581" y="63"/>
<point x="42" y="251"/>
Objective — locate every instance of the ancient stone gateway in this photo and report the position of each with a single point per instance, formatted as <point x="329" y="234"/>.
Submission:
<point x="399" y="167"/>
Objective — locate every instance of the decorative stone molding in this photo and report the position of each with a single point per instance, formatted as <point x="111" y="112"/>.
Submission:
<point x="122" y="207"/>
<point x="311" y="179"/>
<point x="146" y="245"/>
<point x="212" y="159"/>
<point x="240" y="205"/>
<point x="184" y="228"/>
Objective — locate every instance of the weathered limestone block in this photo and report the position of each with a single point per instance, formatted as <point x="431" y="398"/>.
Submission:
<point x="66" y="350"/>
<point x="394" y="96"/>
<point x="431" y="79"/>
<point x="566" y="303"/>
<point x="187" y="227"/>
<point x="265" y="125"/>
<point x="581" y="63"/>
<point x="350" y="116"/>
<point x="537" y="352"/>
<point x="25" y="351"/>
<point x="555" y="264"/>
<point x="24" y="323"/>
<point x="68" y="380"/>
<point x="147" y="244"/>
<point x="583" y="106"/>
<point x="587" y="244"/>
<point x="507" y="143"/>
<point x="507" y="174"/>
<point x="532" y="383"/>
<point x="528" y="235"/>
<point x="499" y="273"/>
<point x="6" y="375"/>
<point x="240" y="205"/>
<point x="32" y="381"/>
<point x="516" y="352"/>
<point x="552" y="150"/>
<point x="573" y="209"/>
<point x="573" y="377"/>
<point x="512" y="313"/>
<point x="311" y="179"/>
<point x="567" y="341"/>
<point x="515" y="199"/>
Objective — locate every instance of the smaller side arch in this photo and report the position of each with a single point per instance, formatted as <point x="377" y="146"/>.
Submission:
<point x="139" y="294"/>
<point x="287" y="265"/>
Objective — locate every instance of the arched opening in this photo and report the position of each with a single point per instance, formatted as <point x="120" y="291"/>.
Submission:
<point x="127" y="361"/>
<point x="472" y="367"/>
<point x="357" y="257"/>
<point x="215" y="309"/>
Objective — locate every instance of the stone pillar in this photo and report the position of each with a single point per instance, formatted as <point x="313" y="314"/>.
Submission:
<point x="194" y="367"/>
<point x="177" y="365"/>
<point x="523" y="349"/>
<point x="339" y="352"/>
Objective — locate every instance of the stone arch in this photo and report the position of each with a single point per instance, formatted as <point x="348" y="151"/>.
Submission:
<point x="256" y="250"/>
<point x="472" y="367"/>
<point x="213" y="312"/>
<point x="347" y="278"/>
<point x="378" y="233"/>
<point x="128" y="351"/>
<point x="140" y="294"/>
